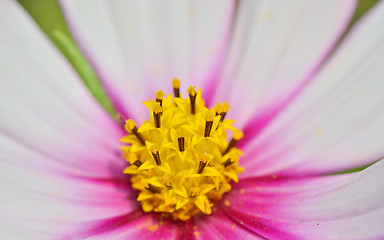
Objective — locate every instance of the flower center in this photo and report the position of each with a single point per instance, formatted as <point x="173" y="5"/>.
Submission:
<point x="180" y="160"/>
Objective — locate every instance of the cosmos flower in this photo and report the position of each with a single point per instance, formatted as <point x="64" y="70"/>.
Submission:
<point x="308" y="107"/>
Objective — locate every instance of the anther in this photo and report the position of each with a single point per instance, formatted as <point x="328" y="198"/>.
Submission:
<point x="237" y="135"/>
<point x="209" y="122"/>
<point x="181" y="143"/>
<point x="153" y="188"/>
<point x="159" y="97"/>
<point x="233" y="158"/>
<point x="157" y="110"/>
<point x="203" y="162"/>
<point x="134" y="159"/>
<point x="201" y="167"/>
<point x="176" y="87"/>
<point x="167" y="183"/>
<point x="228" y="162"/>
<point x="130" y="126"/>
<point x="195" y="191"/>
<point x="138" y="163"/>
<point x="155" y="153"/>
<point x="192" y="97"/>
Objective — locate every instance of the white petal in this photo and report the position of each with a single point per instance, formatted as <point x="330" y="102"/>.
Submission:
<point x="337" y="122"/>
<point x="138" y="46"/>
<point x="59" y="149"/>
<point x="44" y="104"/>
<point x="276" y="47"/>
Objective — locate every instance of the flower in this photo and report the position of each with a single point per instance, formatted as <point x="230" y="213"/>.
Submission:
<point x="305" y="113"/>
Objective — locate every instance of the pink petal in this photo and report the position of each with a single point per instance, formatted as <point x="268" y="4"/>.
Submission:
<point x="336" y="123"/>
<point x="331" y="207"/>
<point x="135" y="225"/>
<point x="277" y="48"/>
<point x="220" y="226"/>
<point x="126" y="226"/>
<point x="139" y="46"/>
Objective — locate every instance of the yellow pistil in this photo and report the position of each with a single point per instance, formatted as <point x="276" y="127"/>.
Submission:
<point x="130" y="126"/>
<point x="181" y="161"/>
<point x="192" y="98"/>
<point x="176" y="87"/>
<point x="159" y="97"/>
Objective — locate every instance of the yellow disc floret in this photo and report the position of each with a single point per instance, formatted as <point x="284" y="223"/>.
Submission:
<point x="180" y="160"/>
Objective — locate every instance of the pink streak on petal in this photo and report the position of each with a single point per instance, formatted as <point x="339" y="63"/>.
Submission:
<point x="352" y="127"/>
<point x="271" y="81"/>
<point x="100" y="228"/>
<point x="213" y="78"/>
<point x="261" y="119"/>
<point x="266" y="228"/>
<point x="219" y="226"/>
<point x="274" y="106"/>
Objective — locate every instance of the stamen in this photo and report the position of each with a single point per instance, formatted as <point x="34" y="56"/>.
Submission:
<point x="195" y="191"/>
<point x="167" y="183"/>
<point x="155" y="153"/>
<point x="201" y="167"/>
<point x="203" y="162"/>
<point x="228" y="162"/>
<point x="221" y="109"/>
<point x="192" y="97"/>
<point x="159" y="97"/>
<point x="181" y="144"/>
<point x="209" y="122"/>
<point x="157" y="110"/>
<point x="237" y="135"/>
<point x="233" y="158"/>
<point x="138" y="163"/>
<point x="225" y="110"/>
<point x="153" y="188"/>
<point x="134" y="159"/>
<point x="176" y="87"/>
<point x="130" y="126"/>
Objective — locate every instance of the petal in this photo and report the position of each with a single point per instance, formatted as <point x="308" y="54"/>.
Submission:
<point x="140" y="46"/>
<point x="336" y="123"/>
<point x="330" y="207"/>
<point x="59" y="149"/>
<point x="135" y="225"/>
<point x="51" y="204"/>
<point x="220" y="226"/>
<point x="45" y="106"/>
<point x="276" y="49"/>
